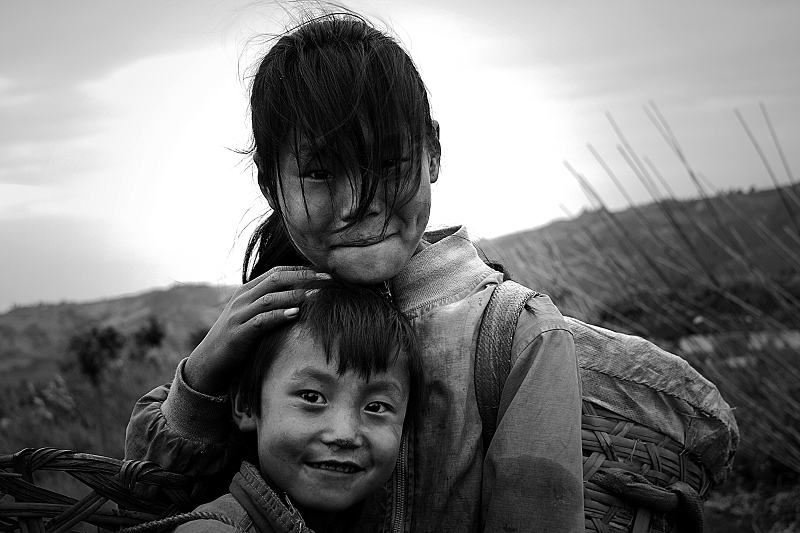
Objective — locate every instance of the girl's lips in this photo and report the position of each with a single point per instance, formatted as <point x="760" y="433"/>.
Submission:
<point x="360" y="243"/>
<point x="337" y="466"/>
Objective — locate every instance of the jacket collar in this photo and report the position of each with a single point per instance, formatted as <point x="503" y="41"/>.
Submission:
<point x="264" y="507"/>
<point x="444" y="271"/>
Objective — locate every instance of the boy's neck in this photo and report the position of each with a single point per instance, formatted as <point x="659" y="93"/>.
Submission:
<point x="315" y="520"/>
<point x="318" y="521"/>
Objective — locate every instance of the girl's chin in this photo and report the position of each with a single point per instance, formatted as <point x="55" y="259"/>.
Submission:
<point x="369" y="264"/>
<point x="362" y="276"/>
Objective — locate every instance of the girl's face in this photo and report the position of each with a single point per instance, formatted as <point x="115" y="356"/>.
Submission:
<point x="318" y="202"/>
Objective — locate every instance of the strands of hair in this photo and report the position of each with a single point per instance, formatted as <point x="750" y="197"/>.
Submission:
<point x="335" y="90"/>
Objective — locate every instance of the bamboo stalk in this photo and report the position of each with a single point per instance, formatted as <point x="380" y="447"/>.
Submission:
<point x="777" y="143"/>
<point x="585" y="184"/>
<point x="771" y="174"/>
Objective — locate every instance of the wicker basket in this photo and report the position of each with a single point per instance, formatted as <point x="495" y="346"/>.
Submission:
<point x="612" y="443"/>
<point x="38" y="510"/>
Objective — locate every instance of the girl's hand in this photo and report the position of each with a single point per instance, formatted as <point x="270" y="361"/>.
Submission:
<point x="256" y="307"/>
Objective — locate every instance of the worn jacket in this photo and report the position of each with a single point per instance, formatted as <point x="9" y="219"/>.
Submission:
<point x="531" y="476"/>
<point x="252" y="505"/>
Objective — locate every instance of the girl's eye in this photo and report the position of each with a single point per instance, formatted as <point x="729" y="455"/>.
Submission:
<point x="318" y="175"/>
<point x="389" y="164"/>
<point x="312" y="397"/>
<point x="377" y="407"/>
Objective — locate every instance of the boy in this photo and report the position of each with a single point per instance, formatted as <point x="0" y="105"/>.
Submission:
<point x="326" y="398"/>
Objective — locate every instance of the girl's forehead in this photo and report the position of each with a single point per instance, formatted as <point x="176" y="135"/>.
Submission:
<point x="305" y="146"/>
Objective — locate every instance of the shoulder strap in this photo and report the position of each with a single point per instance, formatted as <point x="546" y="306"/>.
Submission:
<point x="493" y="353"/>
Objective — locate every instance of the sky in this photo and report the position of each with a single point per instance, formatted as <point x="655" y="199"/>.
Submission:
<point x="122" y="123"/>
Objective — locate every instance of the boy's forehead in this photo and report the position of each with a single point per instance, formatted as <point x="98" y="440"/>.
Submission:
<point x="307" y="356"/>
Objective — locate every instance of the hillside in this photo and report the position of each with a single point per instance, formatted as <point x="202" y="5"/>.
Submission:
<point x="34" y="339"/>
<point x="599" y="257"/>
<point x="587" y="264"/>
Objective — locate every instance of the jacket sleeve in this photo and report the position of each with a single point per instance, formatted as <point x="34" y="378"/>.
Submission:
<point x="184" y="431"/>
<point x="534" y="466"/>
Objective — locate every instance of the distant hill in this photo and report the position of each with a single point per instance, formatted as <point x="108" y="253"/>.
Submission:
<point x="33" y="340"/>
<point x="600" y="257"/>
<point x="586" y="264"/>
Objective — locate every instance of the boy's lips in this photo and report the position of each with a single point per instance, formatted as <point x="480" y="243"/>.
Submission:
<point x="343" y="467"/>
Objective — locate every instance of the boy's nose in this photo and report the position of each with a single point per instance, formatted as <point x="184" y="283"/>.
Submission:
<point x="344" y="430"/>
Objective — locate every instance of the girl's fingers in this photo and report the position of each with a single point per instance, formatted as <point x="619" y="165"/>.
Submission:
<point x="282" y="283"/>
<point x="283" y="275"/>
<point x="273" y="301"/>
<point x="271" y="319"/>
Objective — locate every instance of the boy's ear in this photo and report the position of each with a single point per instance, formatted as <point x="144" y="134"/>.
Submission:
<point x="242" y="415"/>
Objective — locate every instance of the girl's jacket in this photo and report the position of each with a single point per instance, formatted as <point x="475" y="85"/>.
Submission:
<point x="530" y="479"/>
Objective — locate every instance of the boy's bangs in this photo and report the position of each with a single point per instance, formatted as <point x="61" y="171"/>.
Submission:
<point x="355" y="328"/>
<point x="355" y="112"/>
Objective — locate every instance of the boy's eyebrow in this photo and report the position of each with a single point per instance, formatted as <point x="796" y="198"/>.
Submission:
<point x="375" y="384"/>
<point x="310" y="372"/>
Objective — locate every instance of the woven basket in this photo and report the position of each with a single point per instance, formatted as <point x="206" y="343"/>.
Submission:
<point x="38" y="510"/>
<point x="611" y="442"/>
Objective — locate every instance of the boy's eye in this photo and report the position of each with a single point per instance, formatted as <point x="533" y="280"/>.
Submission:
<point x="377" y="407"/>
<point x="312" y="396"/>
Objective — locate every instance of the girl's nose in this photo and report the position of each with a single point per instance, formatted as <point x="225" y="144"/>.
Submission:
<point x="350" y="196"/>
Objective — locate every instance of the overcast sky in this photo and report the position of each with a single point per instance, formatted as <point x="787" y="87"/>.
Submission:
<point x="120" y="121"/>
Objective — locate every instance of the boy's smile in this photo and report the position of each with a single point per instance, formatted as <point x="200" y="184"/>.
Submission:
<point x="327" y="440"/>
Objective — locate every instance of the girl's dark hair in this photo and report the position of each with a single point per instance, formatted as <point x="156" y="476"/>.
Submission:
<point x="354" y="325"/>
<point x="335" y="87"/>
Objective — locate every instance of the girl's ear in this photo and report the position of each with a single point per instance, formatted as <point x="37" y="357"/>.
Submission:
<point x="242" y="415"/>
<point x="433" y="167"/>
<point x="435" y="159"/>
<point x="262" y="181"/>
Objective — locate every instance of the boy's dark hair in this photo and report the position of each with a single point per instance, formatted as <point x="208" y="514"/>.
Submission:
<point x="358" y="326"/>
<point x="338" y="88"/>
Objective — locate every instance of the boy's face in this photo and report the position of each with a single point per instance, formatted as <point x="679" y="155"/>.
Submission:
<point x="324" y="439"/>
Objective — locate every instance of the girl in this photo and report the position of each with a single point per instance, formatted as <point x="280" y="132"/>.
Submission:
<point x="346" y="153"/>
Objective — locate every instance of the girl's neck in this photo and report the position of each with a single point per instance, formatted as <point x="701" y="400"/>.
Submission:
<point x="421" y="246"/>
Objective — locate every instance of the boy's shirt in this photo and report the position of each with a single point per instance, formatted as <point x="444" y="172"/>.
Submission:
<point x="252" y="505"/>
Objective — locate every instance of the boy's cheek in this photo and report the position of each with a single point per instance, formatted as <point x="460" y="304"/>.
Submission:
<point x="390" y="448"/>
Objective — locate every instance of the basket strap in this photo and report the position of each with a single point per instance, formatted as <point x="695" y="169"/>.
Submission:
<point x="679" y="499"/>
<point x="171" y="522"/>
<point x="493" y="352"/>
